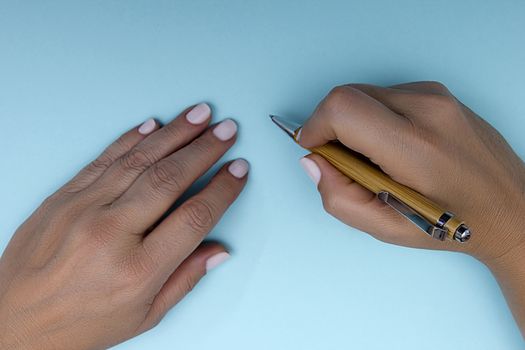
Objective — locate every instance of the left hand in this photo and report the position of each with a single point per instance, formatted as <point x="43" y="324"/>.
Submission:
<point x="103" y="259"/>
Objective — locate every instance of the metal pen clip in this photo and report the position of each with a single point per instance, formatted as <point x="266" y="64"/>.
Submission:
<point x="430" y="229"/>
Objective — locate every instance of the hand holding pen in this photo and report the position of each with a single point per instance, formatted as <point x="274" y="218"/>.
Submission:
<point x="424" y="138"/>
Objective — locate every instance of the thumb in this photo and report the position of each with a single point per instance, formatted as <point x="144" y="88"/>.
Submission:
<point x="356" y="206"/>
<point x="206" y="257"/>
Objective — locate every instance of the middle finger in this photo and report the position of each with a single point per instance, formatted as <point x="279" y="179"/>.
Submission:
<point x="152" y="194"/>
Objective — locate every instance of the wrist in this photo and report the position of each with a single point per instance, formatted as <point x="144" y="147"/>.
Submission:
<point x="509" y="271"/>
<point x="18" y="333"/>
<point x="511" y="263"/>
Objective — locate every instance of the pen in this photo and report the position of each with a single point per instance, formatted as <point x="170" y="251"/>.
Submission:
<point x="421" y="211"/>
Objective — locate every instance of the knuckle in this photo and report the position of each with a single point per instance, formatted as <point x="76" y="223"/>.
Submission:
<point x="420" y="139"/>
<point x="149" y="261"/>
<point x="358" y="86"/>
<point x="445" y="105"/>
<point x="100" y="164"/>
<point x="155" y="322"/>
<point x="137" y="159"/>
<point x="330" y="203"/>
<point x="340" y="100"/>
<point x="198" y="215"/>
<point x="188" y="283"/>
<point x="121" y="143"/>
<point x="104" y="227"/>
<point x="172" y="131"/>
<point x="437" y="86"/>
<point x="167" y="176"/>
<point x="131" y="276"/>
<point x="48" y="205"/>
<point x="137" y="268"/>
<point x="337" y="98"/>
<point x="162" y="305"/>
<point x="51" y="201"/>
<point x="225" y="187"/>
<point x="338" y="91"/>
<point x="202" y="145"/>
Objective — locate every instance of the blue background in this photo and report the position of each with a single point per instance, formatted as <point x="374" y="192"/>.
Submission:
<point x="74" y="74"/>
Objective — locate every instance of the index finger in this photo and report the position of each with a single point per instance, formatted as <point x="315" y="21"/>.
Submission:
<point x="360" y="122"/>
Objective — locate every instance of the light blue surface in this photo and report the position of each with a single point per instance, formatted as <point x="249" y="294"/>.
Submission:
<point x="74" y="74"/>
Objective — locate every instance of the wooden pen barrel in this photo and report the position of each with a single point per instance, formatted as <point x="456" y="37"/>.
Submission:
<point x="370" y="176"/>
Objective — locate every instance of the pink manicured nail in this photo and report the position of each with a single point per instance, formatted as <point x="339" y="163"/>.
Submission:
<point x="311" y="169"/>
<point x="216" y="260"/>
<point x="225" y="130"/>
<point x="147" y="126"/>
<point x="199" y="114"/>
<point x="239" y="168"/>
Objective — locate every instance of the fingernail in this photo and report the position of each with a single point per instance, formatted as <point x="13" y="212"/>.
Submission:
<point x="239" y="168"/>
<point x="225" y="130"/>
<point x="199" y="114"/>
<point x="311" y="169"/>
<point x="216" y="260"/>
<point x="147" y="126"/>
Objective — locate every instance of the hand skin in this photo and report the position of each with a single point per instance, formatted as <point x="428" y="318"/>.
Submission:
<point x="424" y="138"/>
<point x="99" y="262"/>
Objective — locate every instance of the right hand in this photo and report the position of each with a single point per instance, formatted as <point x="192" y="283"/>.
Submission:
<point x="424" y="138"/>
<point x="101" y="260"/>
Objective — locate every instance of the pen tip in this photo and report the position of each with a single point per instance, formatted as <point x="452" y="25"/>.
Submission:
<point x="286" y="125"/>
